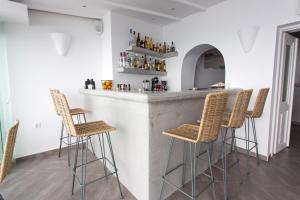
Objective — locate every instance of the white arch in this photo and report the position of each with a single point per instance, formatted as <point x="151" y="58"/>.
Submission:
<point x="189" y="65"/>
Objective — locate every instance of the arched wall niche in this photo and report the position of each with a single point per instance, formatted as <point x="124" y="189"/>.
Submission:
<point x="197" y="72"/>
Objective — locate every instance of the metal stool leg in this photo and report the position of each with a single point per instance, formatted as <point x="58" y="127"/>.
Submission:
<point x="224" y="147"/>
<point x="209" y="156"/>
<point x="83" y="168"/>
<point x="61" y="138"/>
<point x="255" y="139"/>
<point x="167" y="166"/>
<point x="184" y="164"/>
<point x="236" y="155"/>
<point x="84" y="120"/>
<point x="114" y="162"/>
<point x="69" y="150"/>
<point x="193" y="156"/>
<point x="247" y="144"/>
<point x="103" y="155"/>
<point x="75" y="164"/>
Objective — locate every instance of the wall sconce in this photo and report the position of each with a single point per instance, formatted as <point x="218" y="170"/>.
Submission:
<point x="247" y="37"/>
<point x="62" y="42"/>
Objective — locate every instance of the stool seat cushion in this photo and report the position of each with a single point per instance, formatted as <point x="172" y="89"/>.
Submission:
<point x="93" y="128"/>
<point x="77" y="111"/>
<point x="187" y="132"/>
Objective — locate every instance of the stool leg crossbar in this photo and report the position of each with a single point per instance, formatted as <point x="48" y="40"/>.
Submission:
<point x="81" y="179"/>
<point x="193" y="161"/>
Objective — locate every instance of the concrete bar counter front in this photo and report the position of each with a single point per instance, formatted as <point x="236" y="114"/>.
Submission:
<point x="139" y="146"/>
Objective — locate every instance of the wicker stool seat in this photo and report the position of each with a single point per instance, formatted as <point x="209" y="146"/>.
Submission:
<point x="93" y="128"/>
<point x="187" y="132"/>
<point x="206" y="133"/>
<point x="83" y="133"/>
<point x="77" y="112"/>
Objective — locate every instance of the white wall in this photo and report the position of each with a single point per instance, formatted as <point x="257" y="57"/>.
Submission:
<point x="218" y="26"/>
<point x="35" y="67"/>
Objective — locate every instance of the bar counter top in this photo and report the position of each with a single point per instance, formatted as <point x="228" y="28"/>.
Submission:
<point x="151" y="97"/>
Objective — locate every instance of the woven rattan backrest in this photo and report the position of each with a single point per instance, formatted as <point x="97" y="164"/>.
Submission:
<point x="212" y="116"/>
<point x="8" y="151"/>
<point x="239" y="109"/>
<point x="53" y="92"/>
<point x="65" y="112"/>
<point x="260" y="102"/>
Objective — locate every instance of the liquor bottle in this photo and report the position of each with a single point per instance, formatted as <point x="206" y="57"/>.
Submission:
<point x="130" y="39"/>
<point x="121" y="59"/>
<point x="173" y="49"/>
<point x="164" y="48"/>
<point x="160" y="48"/>
<point x="145" y="63"/>
<point x="124" y="59"/>
<point x="133" y="43"/>
<point x="141" y="62"/>
<point x="145" y="43"/>
<point x="138" y="40"/>
<point x="164" y="67"/>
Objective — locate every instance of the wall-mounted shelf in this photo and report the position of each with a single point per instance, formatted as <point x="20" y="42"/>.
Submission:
<point x="148" y="52"/>
<point x="140" y="71"/>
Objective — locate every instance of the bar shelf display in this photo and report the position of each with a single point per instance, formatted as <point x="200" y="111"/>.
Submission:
<point x="140" y="71"/>
<point x="148" y="52"/>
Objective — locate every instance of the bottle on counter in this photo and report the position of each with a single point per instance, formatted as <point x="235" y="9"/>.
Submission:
<point x="145" y="63"/>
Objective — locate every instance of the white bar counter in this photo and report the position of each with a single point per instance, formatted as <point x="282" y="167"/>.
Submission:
<point x="140" y="148"/>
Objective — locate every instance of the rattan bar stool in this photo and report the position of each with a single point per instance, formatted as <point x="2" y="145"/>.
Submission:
<point x="78" y="113"/>
<point x="6" y="162"/>
<point x="251" y="115"/>
<point x="233" y="120"/>
<point x="83" y="132"/>
<point x="206" y="133"/>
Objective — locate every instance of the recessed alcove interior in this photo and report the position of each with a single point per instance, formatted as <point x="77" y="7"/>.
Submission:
<point x="202" y="67"/>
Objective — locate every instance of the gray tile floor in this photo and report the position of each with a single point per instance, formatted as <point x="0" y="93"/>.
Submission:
<point x="47" y="177"/>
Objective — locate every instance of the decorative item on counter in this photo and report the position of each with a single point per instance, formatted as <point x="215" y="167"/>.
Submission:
<point x="154" y="82"/>
<point x="218" y="85"/>
<point x="90" y="84"/>
<point x="146" y="85"/>
<point x="164" y="85"/>
<point x="106" y="84"/>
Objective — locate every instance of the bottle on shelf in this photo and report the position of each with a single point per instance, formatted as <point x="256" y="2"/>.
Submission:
<point x="138" y="40"/>
<point x="163" y="66"/>
<point x="145" y="63"/>
<point x="145" y="43"/>
<point x="173" y="49"/>
<point x="130" y="39"/>
<point x="121" y="59"/>
<point x="164" y="48"/>
<point x="133" y="43"/>
<point x="141" y="66"/>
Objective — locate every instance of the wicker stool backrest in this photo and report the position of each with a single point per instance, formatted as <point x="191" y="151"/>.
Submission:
<point x="260" y="102"/>
<point x="8" y="151"/>
<point x="239" y="109"/>
<point x="212" y="116"/>
<point x="53" y="92"/>
<point x="63" y="106"/>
